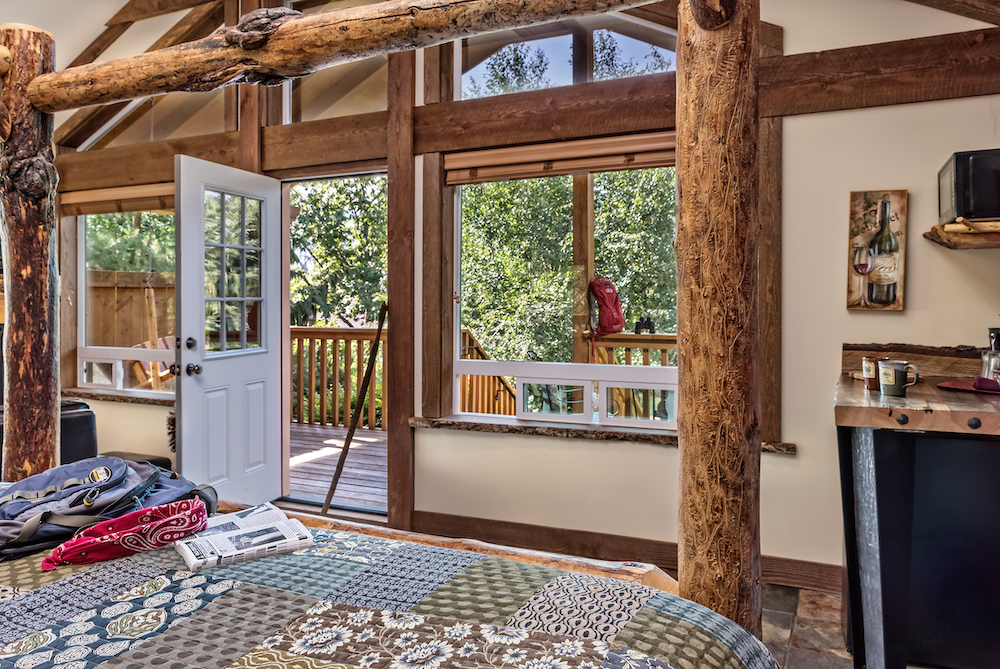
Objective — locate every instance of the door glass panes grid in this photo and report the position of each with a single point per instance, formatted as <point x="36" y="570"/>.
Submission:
<point x="232" y="272"/>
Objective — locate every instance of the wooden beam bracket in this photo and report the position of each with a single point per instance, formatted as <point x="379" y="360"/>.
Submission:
<point x="712" y="14"/>
<point x="255" y="29"/>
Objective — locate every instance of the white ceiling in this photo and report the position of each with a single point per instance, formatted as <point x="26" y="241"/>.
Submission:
<point x="76" y="23"/>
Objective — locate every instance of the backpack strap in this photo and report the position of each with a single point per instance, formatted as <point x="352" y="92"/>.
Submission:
<point x="32" y="524"/>
<point x="38" y="494"/>
<point x="207" y="494"/>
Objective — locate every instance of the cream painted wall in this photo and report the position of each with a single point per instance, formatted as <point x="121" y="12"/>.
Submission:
<point x="951" y="298"/>
<point x="133" y="428"/>
<point x="613" y="487"/>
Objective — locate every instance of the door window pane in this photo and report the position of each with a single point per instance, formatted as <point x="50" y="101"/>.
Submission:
<point x="234" y="272"/>
<point x="212" y="341"/>
<point x="213" y="271"/>
<point x="234" y="325"/>
<point x="233" y="221"/>
<point x="253" y="274"/>
<point x="253" y="222"/>
<point x="213" y="217"/>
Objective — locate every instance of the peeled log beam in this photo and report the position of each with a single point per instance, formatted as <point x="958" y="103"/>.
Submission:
<point x="27" y="196"/>
<point x="298" y="45"/>
<point x="716" y="250"/>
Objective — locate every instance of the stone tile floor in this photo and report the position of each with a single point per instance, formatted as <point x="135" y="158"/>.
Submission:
<point x="802" y="628"/>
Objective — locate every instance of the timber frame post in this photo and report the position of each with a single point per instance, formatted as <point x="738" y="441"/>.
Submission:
<point x="716" y="249"/>
<point x="31" y="334"/>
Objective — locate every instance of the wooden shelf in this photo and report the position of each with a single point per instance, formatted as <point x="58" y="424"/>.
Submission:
<point x="964" y="234"/>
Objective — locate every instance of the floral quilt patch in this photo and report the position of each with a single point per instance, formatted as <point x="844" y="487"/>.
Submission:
<point x="373" y="639"/>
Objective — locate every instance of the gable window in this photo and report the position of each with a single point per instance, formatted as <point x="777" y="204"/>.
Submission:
<point x="591" y="48"/>
<point x="528" y="249"/>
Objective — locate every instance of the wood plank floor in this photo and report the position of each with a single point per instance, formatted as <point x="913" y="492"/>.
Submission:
<point x="315" y="450"/>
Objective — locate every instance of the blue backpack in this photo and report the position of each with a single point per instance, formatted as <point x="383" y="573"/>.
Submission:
<point x="44" y="510"/>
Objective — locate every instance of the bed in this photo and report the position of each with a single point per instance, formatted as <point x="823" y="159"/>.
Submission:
<point x="355" y="600"/>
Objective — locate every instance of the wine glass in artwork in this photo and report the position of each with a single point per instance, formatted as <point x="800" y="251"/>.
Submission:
<point x="863" y="261"/>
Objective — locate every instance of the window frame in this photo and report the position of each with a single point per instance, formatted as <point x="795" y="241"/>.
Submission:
<point x="618" y="152"/>
<point x="117" y="356"/>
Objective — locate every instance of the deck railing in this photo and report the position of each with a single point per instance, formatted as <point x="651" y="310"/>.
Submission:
<point x="328" y="367"/>
<point x="623" y="347"/>
<point x="483" y="394"/>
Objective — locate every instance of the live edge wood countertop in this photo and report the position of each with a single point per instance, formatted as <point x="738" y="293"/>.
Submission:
<point x="925" y="407"/>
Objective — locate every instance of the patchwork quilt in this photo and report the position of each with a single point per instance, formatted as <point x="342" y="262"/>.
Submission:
<point x="354" y="601"/>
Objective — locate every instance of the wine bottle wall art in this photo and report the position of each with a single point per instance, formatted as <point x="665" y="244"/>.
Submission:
<point x="876" y="250"/>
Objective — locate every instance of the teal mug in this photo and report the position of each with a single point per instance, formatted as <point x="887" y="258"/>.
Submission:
<point x="892" y="377"/>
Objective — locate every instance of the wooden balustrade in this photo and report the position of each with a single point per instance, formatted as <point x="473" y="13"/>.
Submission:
<point x="330" y="362"/>
<point x="328" y="366"/>
<point x="483" y="394"/>
<point x="620" y="348"/>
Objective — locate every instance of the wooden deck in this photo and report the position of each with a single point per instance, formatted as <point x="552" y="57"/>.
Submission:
<point x="364" y="482"/>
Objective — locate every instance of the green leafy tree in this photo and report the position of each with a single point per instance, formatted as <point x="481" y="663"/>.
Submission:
<point x="516" y="294"/>
<point x="515" y="68"/>
<point x="611" y="63"/>
<point x="517" y="267"/>
<point x="634" y="214"/>
<point x="339" y="244"/>
<point x="130" y="242"/>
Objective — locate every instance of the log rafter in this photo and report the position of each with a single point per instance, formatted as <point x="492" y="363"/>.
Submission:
<point x="297" y="47"/>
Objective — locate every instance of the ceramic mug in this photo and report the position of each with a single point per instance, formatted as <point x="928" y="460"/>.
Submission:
<point x="892" y="377"/>
<point x="869" y="371"/>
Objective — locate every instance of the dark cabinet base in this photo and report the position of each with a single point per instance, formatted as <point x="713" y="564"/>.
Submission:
<point x="934" y="592"/>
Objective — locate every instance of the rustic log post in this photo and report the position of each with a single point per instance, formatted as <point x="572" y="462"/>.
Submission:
<point x="31" y="335"/>
<point x="716" y="247"/>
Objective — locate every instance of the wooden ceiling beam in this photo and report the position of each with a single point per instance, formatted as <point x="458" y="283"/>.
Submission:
<point x="987" y="11"/>
<point x="274" y="45"/>
<point x="198" y="23"/>
<point x="137" y="10"/>
<point x="941" y="67"/>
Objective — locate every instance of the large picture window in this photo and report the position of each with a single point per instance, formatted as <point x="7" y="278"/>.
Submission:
<point x="525" y="345"/>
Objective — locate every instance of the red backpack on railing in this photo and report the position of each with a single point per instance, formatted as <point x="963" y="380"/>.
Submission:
<point x="609" y="309"/>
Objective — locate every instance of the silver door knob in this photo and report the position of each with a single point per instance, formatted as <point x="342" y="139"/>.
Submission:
<point x="193" y="369"/>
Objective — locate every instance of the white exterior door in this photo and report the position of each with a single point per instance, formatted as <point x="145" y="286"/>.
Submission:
<point x="228" y="298"/>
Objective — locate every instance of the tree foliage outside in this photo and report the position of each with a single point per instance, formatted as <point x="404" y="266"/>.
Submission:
<point x="516" y="265"/>
<point x="130" y="242"/>
<point x="339" y="251"/>
<point x="517" y="258"/>
<point x="524" y="66"/>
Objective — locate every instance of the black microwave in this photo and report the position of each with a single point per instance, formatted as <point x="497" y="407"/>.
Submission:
<point x="969" y="186"/>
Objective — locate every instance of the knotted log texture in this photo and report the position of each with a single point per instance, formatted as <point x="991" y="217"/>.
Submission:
<point x="716" y="248"/>
<point x="27" y="196"/>
<point x="270" y="45"/>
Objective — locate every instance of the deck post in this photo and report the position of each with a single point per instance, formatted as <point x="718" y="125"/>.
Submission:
<point x="716" y="248"/>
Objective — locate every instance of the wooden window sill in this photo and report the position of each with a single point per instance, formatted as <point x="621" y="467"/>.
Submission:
<point x="510" y="425"/>
<point x="113" y="396"/>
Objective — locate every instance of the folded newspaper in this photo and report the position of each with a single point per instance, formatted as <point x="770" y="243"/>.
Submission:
<point x="245" y="535"/>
